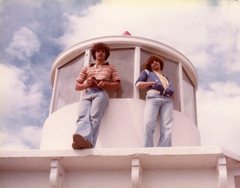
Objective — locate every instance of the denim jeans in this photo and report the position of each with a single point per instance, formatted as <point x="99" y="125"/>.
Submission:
<point x="91" y="110"/>
<point x="163" y="106"/>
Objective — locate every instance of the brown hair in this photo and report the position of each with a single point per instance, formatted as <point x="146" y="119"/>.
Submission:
<point x="100" y="46"/>
<point x="151" y="59"/>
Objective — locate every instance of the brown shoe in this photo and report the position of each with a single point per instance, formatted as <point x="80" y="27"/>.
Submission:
<point x="79" y="142"/>
<point x="76" y="146"/>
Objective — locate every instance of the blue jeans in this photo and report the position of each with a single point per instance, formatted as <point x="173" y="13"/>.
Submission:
<point x="91" y="110"/>
<point x="163" y="106"/>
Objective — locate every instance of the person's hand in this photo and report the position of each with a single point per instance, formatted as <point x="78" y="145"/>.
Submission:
<point x="144" y="85"/>
<point x="102" y="84"/>
<point x="149" y="84"/>
<point x="90" y="81"/>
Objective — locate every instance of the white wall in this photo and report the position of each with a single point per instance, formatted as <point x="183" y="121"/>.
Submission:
<point x="122" y="126"/>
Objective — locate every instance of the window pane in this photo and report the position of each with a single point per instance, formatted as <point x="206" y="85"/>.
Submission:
<point x="237" y="181"/>
<point x="189" y="97"/>
<point x="65" y="83"/>
<point x="170" y="70"/>
<point x="123" y="59"/>
<point x="67" y="74"/>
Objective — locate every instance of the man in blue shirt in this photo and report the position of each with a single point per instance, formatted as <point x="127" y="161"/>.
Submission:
<point x="159" y="101"/>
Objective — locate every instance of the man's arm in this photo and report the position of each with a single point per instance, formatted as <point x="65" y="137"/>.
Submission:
<point x="113" y="86"/>
<point x="143" y="85"/>
<point x="81" y="86"/>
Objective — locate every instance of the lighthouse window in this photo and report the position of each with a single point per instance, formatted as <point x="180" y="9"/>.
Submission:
<point x="65" y="84"/>
<point x="123" y="60"/>
<point x="189" y="97"/>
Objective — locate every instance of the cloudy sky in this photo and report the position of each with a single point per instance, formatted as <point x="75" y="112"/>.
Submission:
<point x="33" y="33"/>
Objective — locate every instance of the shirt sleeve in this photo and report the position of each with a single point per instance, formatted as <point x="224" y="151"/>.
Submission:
<point x="82" y="75"/>
<point x="142" y="77"/>
<point x="115" y="75"/>
<point x="170" y="89"/>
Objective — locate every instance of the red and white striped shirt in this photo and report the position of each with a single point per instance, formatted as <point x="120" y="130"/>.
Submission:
<point x="104" y="72"/>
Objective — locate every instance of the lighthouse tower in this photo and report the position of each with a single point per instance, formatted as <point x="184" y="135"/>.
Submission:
<point x="119" y="159"/>
<point x="122" y="125"/>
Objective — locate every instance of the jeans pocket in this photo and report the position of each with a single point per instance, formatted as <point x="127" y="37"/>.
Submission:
<point x="151" y="96"/>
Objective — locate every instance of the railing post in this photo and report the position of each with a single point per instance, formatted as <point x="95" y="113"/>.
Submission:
<point x="136" y="173"/>
<point x="56" y="174"/>
<point x="222" y="172"/>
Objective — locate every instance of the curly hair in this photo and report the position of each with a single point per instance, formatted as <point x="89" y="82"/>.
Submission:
<point x="151" y="59"/>
<point x="100" y="46"/>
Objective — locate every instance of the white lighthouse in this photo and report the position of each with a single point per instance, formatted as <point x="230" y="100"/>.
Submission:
<point x="119" y="158"/>
<point x="122" y="125"/>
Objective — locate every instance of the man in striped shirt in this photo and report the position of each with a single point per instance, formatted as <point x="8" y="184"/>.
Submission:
<point x="95" y="79"/>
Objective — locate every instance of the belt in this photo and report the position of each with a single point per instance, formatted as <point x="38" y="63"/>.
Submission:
<point x="153" y="91"/>
<point x="93" y="89"/>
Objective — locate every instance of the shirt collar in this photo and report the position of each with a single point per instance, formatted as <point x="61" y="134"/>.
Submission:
<point x="92" y="64"/>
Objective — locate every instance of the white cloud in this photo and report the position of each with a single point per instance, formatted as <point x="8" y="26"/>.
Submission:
<point x="26" y="137"/>
<point x="224" y="32"/>
<point x="180" y="25"/>
<point x="200" y="32"/>
<point x="218" y="115"/>
<point x="157" y="20"/>
<point x="16" y="97"/>
<point x="18" y="101"/>
<point x="24" y="44"/>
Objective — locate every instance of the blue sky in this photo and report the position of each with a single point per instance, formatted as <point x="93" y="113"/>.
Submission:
<point x="33" y="33"/>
